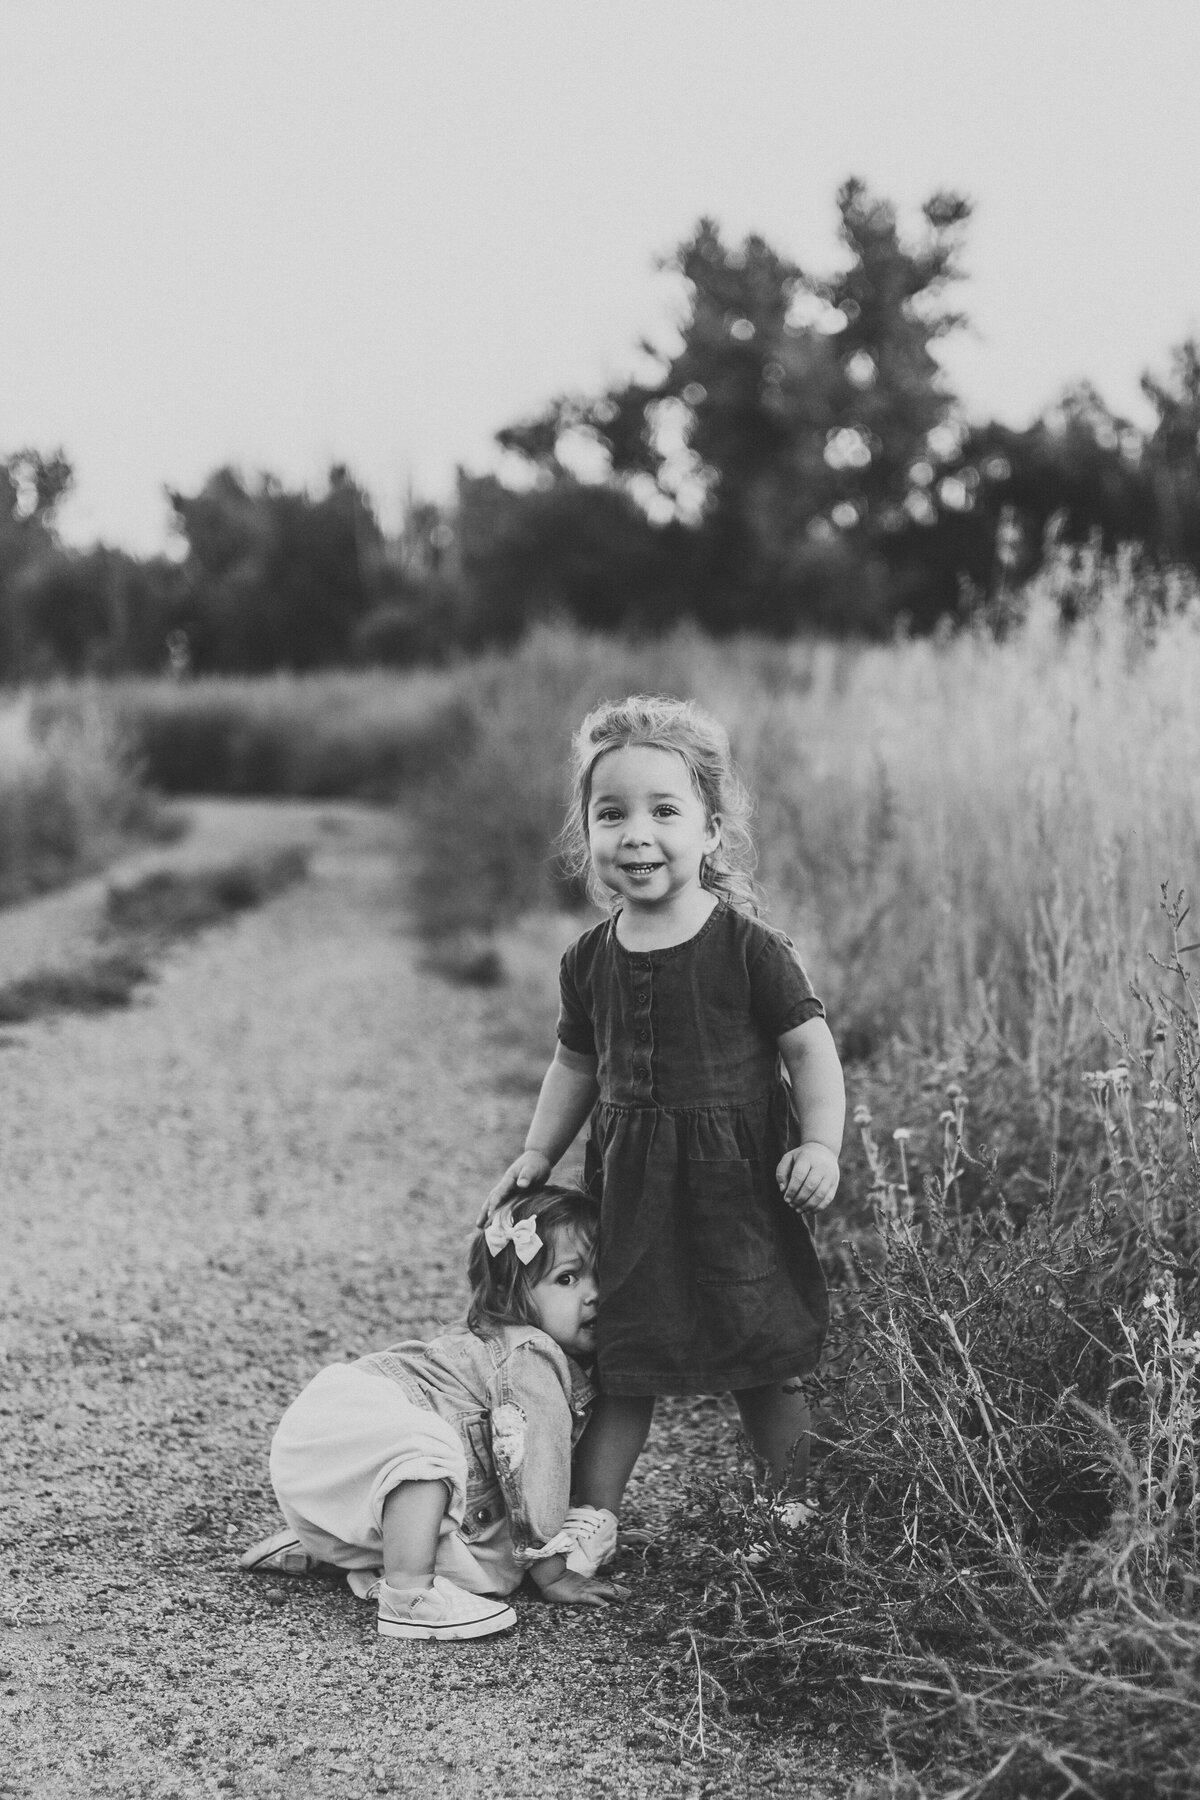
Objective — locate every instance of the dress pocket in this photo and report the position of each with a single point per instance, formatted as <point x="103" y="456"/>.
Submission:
<point x="729" y="1220"/>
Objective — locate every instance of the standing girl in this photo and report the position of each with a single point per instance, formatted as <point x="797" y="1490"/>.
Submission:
<point x="675" y="1018"/>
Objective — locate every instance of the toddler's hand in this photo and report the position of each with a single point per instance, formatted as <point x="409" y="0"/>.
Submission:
<point x="531" y="1170"/>
<point x="570" y="1589"/>
<point x="808" y="1177"/>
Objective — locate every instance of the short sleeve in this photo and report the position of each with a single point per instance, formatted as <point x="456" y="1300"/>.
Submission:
<point x="575" y="1030"/>
<point x="781" y="995"/>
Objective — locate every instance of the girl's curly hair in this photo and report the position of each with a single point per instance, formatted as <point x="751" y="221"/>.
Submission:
<point x="662" y="723"/>
<point x="500" y="1285"/>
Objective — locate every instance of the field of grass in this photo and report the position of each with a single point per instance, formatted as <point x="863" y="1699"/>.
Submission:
<point x="969" y="839"/>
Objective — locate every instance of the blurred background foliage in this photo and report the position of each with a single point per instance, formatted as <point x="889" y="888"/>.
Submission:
<point x="794" y="463"/>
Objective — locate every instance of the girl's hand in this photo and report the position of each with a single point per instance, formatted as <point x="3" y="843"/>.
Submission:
<point x="531" y="1170"/>
<point x="570" y="1589"/>
<point x="808" y="1177"/>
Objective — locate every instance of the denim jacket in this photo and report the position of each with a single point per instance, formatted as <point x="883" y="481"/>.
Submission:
<point x="519" y="1404"/>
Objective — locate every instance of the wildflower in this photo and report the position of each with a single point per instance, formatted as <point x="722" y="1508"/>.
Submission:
<point x="1119" y="1077"/>
<point x="954" y="1091"/>
<point x="862" y="1116"/>
<point x="1095" y="1080"/>
<point x="901" y="1134"/>
<point x="1150" y="1301"/>
<point x="947" y="1117"/>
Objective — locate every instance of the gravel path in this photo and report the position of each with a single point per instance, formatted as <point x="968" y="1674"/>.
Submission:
<point x="270" y="1161"/>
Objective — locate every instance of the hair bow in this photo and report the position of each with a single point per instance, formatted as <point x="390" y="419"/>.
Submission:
<point x="521" y="1234"/>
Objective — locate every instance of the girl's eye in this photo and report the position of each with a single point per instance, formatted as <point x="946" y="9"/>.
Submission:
<point x="666" y="811"/>
<point x="607" y="815"/>
<point x="565" y="1279"/>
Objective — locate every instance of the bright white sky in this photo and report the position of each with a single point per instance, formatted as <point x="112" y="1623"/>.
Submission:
<point x="283" y="232"/>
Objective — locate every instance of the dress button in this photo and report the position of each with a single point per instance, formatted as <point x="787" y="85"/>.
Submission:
<point x="642" y="1036"/>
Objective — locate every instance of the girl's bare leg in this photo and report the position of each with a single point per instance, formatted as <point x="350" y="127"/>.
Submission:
<point x="777" y="1422"/>
<point x="609" y="1448"/>
<point x="412" y="1524"/>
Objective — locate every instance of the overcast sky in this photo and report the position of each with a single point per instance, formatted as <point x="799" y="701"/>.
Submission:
<point x="283" y="232"/>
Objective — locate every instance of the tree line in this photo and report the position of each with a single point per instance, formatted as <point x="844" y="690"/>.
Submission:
<point x="793" y="461"/>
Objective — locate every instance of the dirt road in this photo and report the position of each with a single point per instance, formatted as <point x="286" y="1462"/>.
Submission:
<point x="270" y="1161"/>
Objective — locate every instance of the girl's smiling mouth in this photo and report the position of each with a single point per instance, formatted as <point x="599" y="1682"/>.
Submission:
<point x="640" y="868"/>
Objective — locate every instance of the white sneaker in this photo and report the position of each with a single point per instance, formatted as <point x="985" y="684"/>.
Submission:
<point x="594" y="1529"/>
<point x="280" y="1554"/>
<point x="441" y="1611"/>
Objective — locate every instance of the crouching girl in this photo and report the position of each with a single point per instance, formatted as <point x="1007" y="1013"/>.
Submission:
<point x="438" y="1474"/>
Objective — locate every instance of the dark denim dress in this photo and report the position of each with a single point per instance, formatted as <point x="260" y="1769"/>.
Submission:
<point x="708" y="1280"/>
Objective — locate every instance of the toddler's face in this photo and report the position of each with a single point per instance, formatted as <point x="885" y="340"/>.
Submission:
<point x="564" y="1300"/>
<point x="647" y="826"/>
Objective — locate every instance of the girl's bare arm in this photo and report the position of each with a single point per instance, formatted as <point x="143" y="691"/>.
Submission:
<point x="569" y="1091"/>
<point x="808" y="1176"/>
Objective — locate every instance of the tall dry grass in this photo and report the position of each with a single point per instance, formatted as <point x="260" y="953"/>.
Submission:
<point x="937" y="820"/>
<point x="70" y="795"/>
<point x="1001" y="1587"/>
<point x="362" y="736"/>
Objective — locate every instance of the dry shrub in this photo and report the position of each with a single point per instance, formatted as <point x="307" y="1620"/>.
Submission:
<point x="940" y="818"/>
<point x="70" y="795"/>
<point x="1002" y="1584"/>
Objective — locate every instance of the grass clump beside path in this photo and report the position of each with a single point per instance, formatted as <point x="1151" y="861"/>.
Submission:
<point x="99" y="980"/>
<point x="143" y="916"/>
<point x="166" y="903"/>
